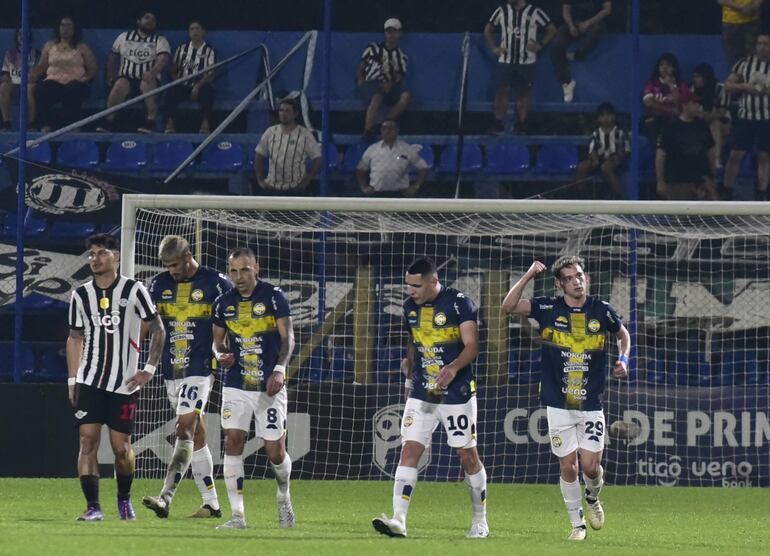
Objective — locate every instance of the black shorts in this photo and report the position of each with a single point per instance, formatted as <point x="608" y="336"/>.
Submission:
<point x="94" y="405"/>
<point x="369" y="88"/>
<point x="747" y="133"/>
<point x="135" y="86"/>
<point x="517" y="76"/>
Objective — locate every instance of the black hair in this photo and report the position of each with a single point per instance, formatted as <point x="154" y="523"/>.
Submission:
<point x="606" y="108"/>
<point x="77" y="32"/>
<point x="291" y="102"/>
<point x="564" y="262"/>
<point x="671" y="59"/>
<point x="706" y="95"/>
<point x="423" y="266"/>
<point x="104" y="240"/>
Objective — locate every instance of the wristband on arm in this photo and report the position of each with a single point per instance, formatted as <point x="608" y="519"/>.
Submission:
<point x="148" y="368"/>
<point x="623" y="359"/>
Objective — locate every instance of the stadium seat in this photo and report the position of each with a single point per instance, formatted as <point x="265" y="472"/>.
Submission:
<point x="78" y="153"/>
<point x="7" y="355"/>
<point x="556" y="159"/>
<point x="34" y="227"/>
<point x="470" y="162"/>
<point x="40" y="153"/>
<point x="223" y="156"/>
<point x="646" y="160"/>
<point x="251" y="154"/>
<point x="71" y="231"/>
<point x="426" y="153"/>
<point x="352" y="156"/>
<point x="748" y="166"/>
<point x="331" y="156"/>
<point x="126" y="155"/>
<point x="506" y="158"/>
<point x="53" y="364"/>
<point x="170" y="154"/>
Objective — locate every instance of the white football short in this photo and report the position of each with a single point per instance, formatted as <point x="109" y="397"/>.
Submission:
<point x="269" y="412"/>
<point x="572" y="429"/>
<point x="421" y="419"/>
<point x="184" y="393"/>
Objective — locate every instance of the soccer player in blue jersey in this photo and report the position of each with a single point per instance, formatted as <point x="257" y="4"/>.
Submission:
<point x="444" y="342"/>
<point x="574" y="328"/>
<point x="253" y="340"/>
<point x="184" y="296"/>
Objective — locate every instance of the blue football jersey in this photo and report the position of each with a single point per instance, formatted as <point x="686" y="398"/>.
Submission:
<point x="574" y="362"/>
<point x="252" y="332"/>
<point x="435" y="331"/>
<point x="186" y="309"/>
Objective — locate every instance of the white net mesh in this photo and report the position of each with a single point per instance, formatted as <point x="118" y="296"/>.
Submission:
<point x="693" y="290"/>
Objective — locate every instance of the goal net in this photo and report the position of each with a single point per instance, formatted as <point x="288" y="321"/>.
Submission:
<point x="690" y="280"/>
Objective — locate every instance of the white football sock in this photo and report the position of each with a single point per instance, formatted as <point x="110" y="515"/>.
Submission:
<point x="477" y="486"/>
<point x="233" y="471"/>
<point x="180" y="461"/>
<point x="573" y="499"/>
<point x="594" y="486"/>
<point x="282" y="473"/>
<point x="403" y="488"/>
<point x="203" y="473"/>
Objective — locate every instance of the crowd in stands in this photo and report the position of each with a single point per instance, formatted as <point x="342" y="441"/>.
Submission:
<point x="689" y="121"/>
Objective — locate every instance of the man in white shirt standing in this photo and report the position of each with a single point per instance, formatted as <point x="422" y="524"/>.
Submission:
<point x="286" y="146"/>
<point x="384" y="167"/>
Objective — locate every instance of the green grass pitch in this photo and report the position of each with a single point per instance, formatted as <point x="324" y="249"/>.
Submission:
<point x="37" y="516"/>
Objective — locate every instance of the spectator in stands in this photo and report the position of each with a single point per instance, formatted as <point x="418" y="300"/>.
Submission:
<point x="189" y="58"/>
<point x="384" y="166"/>
<point x="607" y="151"/>
<point x="380" y="77"/>
<point x="713" y="100"/>
<point x="10" y="79"/>
<point x="750" y="79"/>
<point x="136" y="63"/>
<point x="520" y="24"/>
<point x="584" y="23"/>
<point x="685" y="158"/>
<point x="287" y="145"/>
<point x="740" y="25"/>
<point x="67" y="66"/>
<point x="661" y="96"/>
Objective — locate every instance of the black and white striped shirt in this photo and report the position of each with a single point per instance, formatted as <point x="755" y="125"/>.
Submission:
<point x="383" y="64"/>
<point x="286" y="154"/>
<point x="517" y="28"/>
<point x="756" y="72"/>
<point x="606" y="143"/>
<point x="189" y="59"/>
<point x="138" y="52"/>
<point x="110" y="319"/>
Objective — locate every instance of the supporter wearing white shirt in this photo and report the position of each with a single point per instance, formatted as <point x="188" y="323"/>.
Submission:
<point x="384" y="167"/>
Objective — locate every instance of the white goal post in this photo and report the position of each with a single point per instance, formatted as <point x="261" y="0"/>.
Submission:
<point x="691" y="280"/>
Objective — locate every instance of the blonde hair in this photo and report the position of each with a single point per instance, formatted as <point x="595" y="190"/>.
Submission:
<point x="172" y="247"/>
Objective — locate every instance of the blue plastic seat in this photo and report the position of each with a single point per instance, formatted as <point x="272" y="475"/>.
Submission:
<point x="506" y="158"/>
<point x="352" y="157"/>
<point x="223" y="156"/>
<point x="556" y="159"/>
<point x="426" y="153"/>
<point x="78" y="153"/>
<point x="40" y="153"/>
<point x="470" y="162"/>
<point x="646" y="160"/>
<point x="53" y="364"/>
<point x="748" y="166"/>
<point x="76" y="231"/>
<point x="331" y="156"/>
<point x="170" y="154"/>
<point x="7" y="356"/>
<point x="126" y="155"/>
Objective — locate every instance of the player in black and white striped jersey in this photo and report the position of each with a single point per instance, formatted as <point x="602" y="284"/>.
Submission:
<point x="190" y="58"/>
<point x="135" y="64"/>
<point x="105" y="320"/>
<point x="519" y="23"/>
<point x="380" y="77"/>
<point x="750" y="78"/>
<point x="607" y="151"/>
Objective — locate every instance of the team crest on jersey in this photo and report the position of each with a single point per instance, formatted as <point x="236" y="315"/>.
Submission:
<point x="167" y="295"/>
<point x="226" y="413"/>
<point x="408" y="421"/>
<point x="259" y="309"/>
<point x="439" y="319"/>
<point x="196" y="295"/>
<point x="411" y="314"/>
<point x="556" y="441"/>
<point x="123" y="302"/>
<point x="594" y="325"/>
